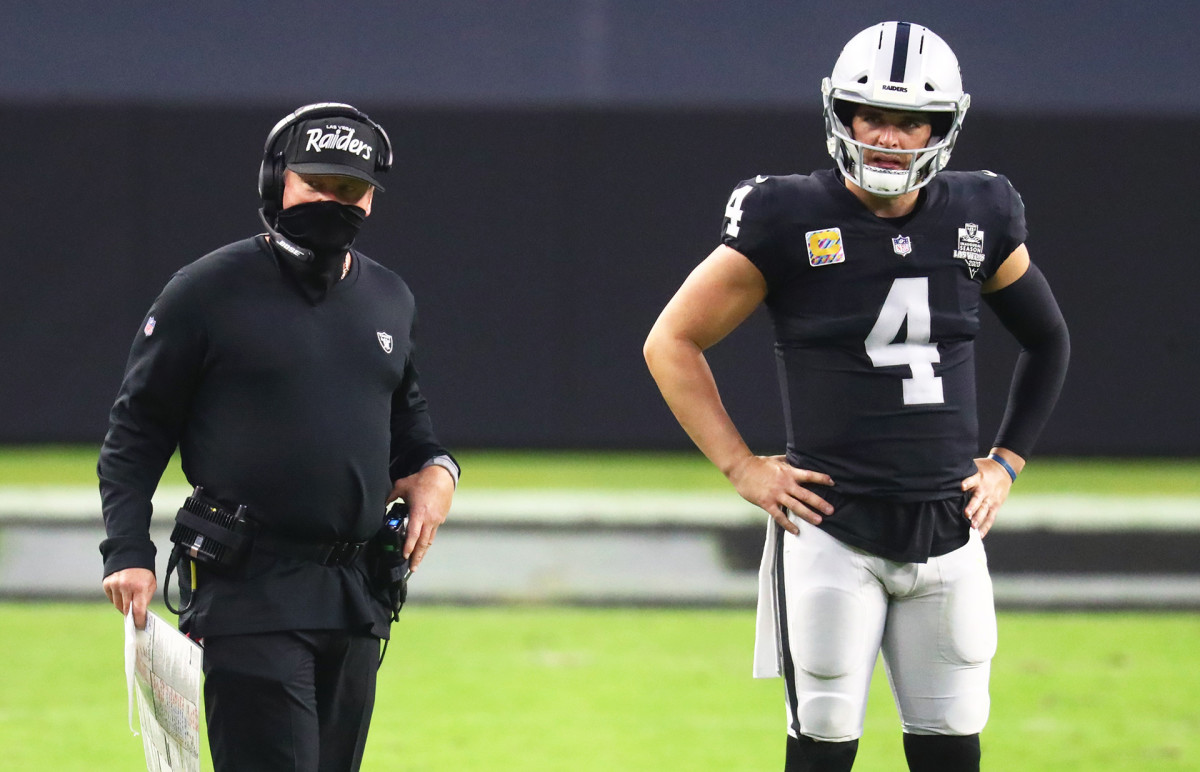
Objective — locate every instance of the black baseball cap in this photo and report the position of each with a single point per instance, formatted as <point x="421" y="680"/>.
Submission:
<point x="337" y="145"/>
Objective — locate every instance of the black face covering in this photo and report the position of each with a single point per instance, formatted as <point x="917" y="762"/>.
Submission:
<point x="328" y="228"/>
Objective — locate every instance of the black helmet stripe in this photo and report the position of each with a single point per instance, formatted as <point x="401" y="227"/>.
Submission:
<point x="900" y="52"/>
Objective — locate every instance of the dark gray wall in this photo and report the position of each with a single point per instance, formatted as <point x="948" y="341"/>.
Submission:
<point x="542" y="243"/>
<point x="562" y="164"/>
<point x="1016" y="55"/>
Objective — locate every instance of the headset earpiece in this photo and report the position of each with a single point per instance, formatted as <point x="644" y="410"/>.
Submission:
<point x="270" y="180"/>
<point x="384" y="162"/>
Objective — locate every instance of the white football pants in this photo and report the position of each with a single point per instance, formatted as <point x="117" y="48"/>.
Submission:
<point x="934" y="622"/>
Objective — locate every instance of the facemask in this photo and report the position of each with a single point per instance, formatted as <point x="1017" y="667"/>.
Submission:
<point x="328" y="228"/>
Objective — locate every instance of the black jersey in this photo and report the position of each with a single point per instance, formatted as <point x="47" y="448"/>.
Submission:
<point x="875" y="322"/>
<point x="303" y="411"/>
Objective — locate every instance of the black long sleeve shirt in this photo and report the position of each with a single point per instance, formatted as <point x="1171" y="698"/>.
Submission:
<point x="303" y="407"/>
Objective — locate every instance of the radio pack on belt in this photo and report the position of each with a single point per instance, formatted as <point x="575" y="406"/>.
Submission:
<point x="389" y="568"/>
<point x="210" y="535"/>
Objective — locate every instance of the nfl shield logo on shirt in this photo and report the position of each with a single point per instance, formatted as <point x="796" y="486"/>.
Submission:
<point x="902" y="245"/>
<point x="385" y="341"/>
<point x="149" y="328"/>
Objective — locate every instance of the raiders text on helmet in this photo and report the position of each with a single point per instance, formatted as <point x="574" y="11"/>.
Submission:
<point x="894" y="66"/>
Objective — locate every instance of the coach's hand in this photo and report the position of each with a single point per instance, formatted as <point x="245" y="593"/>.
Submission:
<point x="428" y="494"/>
<point x="131" y="588"/>
<point x="989" y="488"/>
<point x="773" y="484"/>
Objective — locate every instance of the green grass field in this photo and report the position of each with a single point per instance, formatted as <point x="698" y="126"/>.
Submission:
<point x="533" y="689"/>
<point x="74" y="465"/>
<point x="527" y="689"/>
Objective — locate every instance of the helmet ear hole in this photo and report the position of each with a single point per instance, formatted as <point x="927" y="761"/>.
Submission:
<point x="844" y="111"/>
<point x="940" y="123"/>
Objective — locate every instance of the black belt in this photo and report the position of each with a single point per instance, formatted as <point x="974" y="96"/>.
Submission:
<point x="338" y="553"/>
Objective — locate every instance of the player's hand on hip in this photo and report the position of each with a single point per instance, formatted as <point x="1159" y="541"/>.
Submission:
<point x="428" y="494"/>
<point x="776" y="486"/>
<point x="131" y="588"/>
<point x="989" y="488"/>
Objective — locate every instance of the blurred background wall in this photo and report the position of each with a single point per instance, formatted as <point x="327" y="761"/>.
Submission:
<point x="561" y="166"/>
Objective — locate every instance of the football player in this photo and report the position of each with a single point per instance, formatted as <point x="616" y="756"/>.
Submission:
<point x="874" y="273"/>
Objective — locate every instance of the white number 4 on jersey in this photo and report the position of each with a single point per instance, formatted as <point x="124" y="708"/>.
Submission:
<point x="908" y="298"/>
<point x="733" y="210"/>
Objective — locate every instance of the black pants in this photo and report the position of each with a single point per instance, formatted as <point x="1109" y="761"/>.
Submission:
<point x="292" y="701"/>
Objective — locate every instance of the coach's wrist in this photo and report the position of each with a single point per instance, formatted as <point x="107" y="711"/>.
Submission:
<point x="447" y="463"/>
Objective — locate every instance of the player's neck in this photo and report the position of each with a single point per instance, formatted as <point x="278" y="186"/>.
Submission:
<point x="885" y="206"/>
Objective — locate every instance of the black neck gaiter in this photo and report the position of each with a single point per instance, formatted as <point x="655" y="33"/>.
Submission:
<point x="327" y="229"/>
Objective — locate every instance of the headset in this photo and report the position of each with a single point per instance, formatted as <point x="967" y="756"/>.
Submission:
<point x="274" y="163"/>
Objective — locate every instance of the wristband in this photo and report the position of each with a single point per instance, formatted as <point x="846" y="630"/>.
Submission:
<point x="1007" y="466"/>
<point x="445" y="462"/>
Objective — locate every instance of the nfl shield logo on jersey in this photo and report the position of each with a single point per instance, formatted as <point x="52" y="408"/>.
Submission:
<point x="149" y="328"/>
<point x="902" y="245"/>
<point x="825" y="247"/>
<point x="385" y="341"/>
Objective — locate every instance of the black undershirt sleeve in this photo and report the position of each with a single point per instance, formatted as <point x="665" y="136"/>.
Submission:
<point x="1028" y="310"/>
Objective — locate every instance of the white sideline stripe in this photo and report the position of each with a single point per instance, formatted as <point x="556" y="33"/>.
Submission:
<point x="569" y="508"/>
<point x="1098" y="590"/>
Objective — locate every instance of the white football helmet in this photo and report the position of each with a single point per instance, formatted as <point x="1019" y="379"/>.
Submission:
<point x="896" y="66"/>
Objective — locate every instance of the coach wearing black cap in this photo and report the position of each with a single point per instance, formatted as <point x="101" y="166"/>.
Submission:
<point x="282" y="368"/>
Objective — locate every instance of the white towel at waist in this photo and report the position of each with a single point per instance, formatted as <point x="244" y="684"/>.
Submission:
<point x="768" y="651"/>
